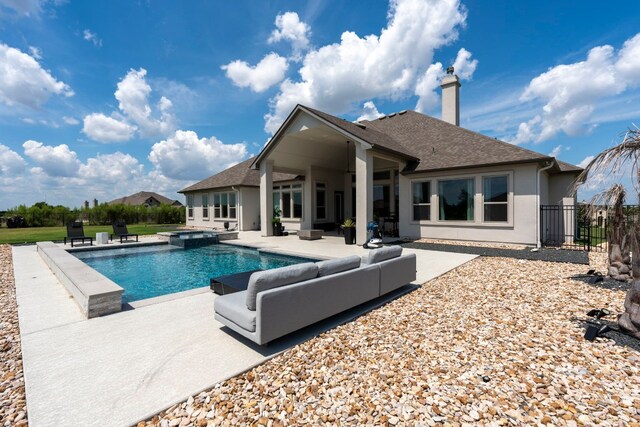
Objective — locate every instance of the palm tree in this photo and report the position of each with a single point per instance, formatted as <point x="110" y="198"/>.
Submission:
<point x="612" y="161"/>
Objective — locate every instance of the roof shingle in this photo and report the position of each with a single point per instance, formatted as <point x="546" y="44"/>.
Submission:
<point x="235" y="176"/>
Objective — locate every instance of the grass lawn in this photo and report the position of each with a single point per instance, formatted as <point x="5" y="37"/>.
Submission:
<point x="39" y="234"/>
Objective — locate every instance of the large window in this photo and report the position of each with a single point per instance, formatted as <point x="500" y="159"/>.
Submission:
<point x="205" y="206"/>
<point x="495" y="196"/>
<point x="288" y="198"/>
<point x="224" y="205"/>
<point x="456" y="199"/>
<point x="421" y="196"/>
<point x="321" y="200"/>
<point x="190" y="205"/>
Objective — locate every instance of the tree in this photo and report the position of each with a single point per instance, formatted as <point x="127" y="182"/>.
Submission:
<point x="612" y="161"/>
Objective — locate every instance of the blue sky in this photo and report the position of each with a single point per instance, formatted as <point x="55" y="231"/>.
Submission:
<point x="102" y="99"/>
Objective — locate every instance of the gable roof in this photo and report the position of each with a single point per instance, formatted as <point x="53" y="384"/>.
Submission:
<point x="377" y="139"/>
<point x="236" y="176"/>
<point x="141" y="197"/>
<point x="568" y="167"/>
<point x="440" y="145"/>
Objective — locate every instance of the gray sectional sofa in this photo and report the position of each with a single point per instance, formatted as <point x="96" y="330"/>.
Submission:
<point x="283" y="300"/>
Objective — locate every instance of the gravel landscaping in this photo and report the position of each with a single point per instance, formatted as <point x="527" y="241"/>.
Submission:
<point x="13" y="411"/>
<point x="497" y="341"/>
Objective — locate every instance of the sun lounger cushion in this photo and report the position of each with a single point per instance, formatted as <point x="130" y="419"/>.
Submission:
<point x="332" y="266"/>
<point x="384" y="253"/>
<point x="232" y="307"/>
<point x="269" y="279"/>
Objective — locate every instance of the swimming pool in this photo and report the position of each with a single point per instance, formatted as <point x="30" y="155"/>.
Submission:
<point x="151" y="271"/>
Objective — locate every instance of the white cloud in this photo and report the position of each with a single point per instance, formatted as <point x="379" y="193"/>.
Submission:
<point x="335" y="77"/>
<point x="369" y="112"/>
<point x="24" y="82"/>
<point x="184" y="155"/>
<point x="290" y="28"/>
<point x="136" y="113"/>
<point x="35" y="52"/>
<point x="56" y="161"/>
<point x="556" y="151"/>
<point x="133" y="95"/>
<point x="429" y="82"/>
<point x="70" y="120"/>
<point x="586" y="161"/>
<point x="268" y="72"/>
<point x="11" y="163"/>
<point x="571" y="92"/>
<point x="92" y="37"/>
<point x="30" y="8"/>
<point x="101" y="128"/>
<point x="112" y="168"/>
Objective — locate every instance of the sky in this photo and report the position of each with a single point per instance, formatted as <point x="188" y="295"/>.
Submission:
<point x="103" y="99"/>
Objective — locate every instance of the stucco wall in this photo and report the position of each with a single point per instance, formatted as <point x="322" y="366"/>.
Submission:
<point x="249" y="208"/>
<point x="198" y="221"/>
<point x="520" y="228"/>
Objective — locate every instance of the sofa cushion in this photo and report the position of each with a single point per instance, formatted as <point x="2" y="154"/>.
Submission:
<point x="233" y="307"/>
<point x="332" y="266"/>
<point x="269" y="279"/>
<point x="384" y="253"/>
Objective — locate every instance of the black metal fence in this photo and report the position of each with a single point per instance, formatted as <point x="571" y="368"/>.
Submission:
<point x="574" y="227"/>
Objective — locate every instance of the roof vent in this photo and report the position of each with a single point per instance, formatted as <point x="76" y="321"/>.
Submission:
<point x="383" y="117"/>
<point x="361" y="126"/>
<point x="402" y="112"/>
<point x="392" y="114"/>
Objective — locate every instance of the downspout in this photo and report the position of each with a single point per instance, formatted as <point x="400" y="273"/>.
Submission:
<point x="539" y="244"/>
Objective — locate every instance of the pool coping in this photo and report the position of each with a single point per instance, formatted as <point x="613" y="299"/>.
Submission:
<point x="95" y="294"/>
<point x="86" y="270"/>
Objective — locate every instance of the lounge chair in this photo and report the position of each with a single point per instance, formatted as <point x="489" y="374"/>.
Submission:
<point x="120" y="230"/>
<point x="75" y="232"/>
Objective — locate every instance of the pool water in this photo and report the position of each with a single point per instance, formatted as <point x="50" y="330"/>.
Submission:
<point x="147" y="272"/>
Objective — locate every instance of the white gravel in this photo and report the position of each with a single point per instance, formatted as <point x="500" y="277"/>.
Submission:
<point x="13" y="411"/>
<point x="495" y="342"/>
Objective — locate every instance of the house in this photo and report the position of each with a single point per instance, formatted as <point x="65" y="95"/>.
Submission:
<point x="233" y="196"/>
<point x="145" y="198"/>
<point x="423" y="176"/>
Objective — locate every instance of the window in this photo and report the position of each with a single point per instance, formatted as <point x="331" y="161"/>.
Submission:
<point x="224" y="205"/>
<point x="288" y="198"/>
<point x="190" y="205"/>
<point x="456" y="199"/>
<point x="495" y="196"/>
<point x="321" y="201"/>
<point x="205" y="206"/>
<point x="421" y="200"/>
<point x="381" y="200"/>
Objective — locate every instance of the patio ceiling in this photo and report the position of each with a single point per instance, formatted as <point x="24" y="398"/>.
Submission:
<point x="308" y="141"/>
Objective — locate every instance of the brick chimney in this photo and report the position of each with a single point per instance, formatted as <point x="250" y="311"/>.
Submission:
<point x="451" y="98"/>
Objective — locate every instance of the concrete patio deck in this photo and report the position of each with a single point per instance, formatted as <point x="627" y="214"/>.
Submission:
<point x="119" y="369"/>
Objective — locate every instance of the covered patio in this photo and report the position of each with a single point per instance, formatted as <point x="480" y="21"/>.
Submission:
<point x="339" y="174"/>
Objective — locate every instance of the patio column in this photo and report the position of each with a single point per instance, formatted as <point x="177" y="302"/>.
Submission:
<point x="266" y="197"/>
<point x="308" y="200"/>
<point x="348" y="203"/>
<point x="405" y="207"/>
<point x="364" y="191"/>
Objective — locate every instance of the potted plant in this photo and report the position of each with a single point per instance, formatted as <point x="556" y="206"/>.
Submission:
<point x="349" y="229"/>
<point x="275" y="222"/>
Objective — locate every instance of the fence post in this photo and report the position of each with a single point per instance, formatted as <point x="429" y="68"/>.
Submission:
<point x="541" y="224"/>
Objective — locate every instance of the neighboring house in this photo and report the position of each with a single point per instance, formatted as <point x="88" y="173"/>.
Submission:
<point x="145" y="198"/>
<point x="430" y="177"/>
